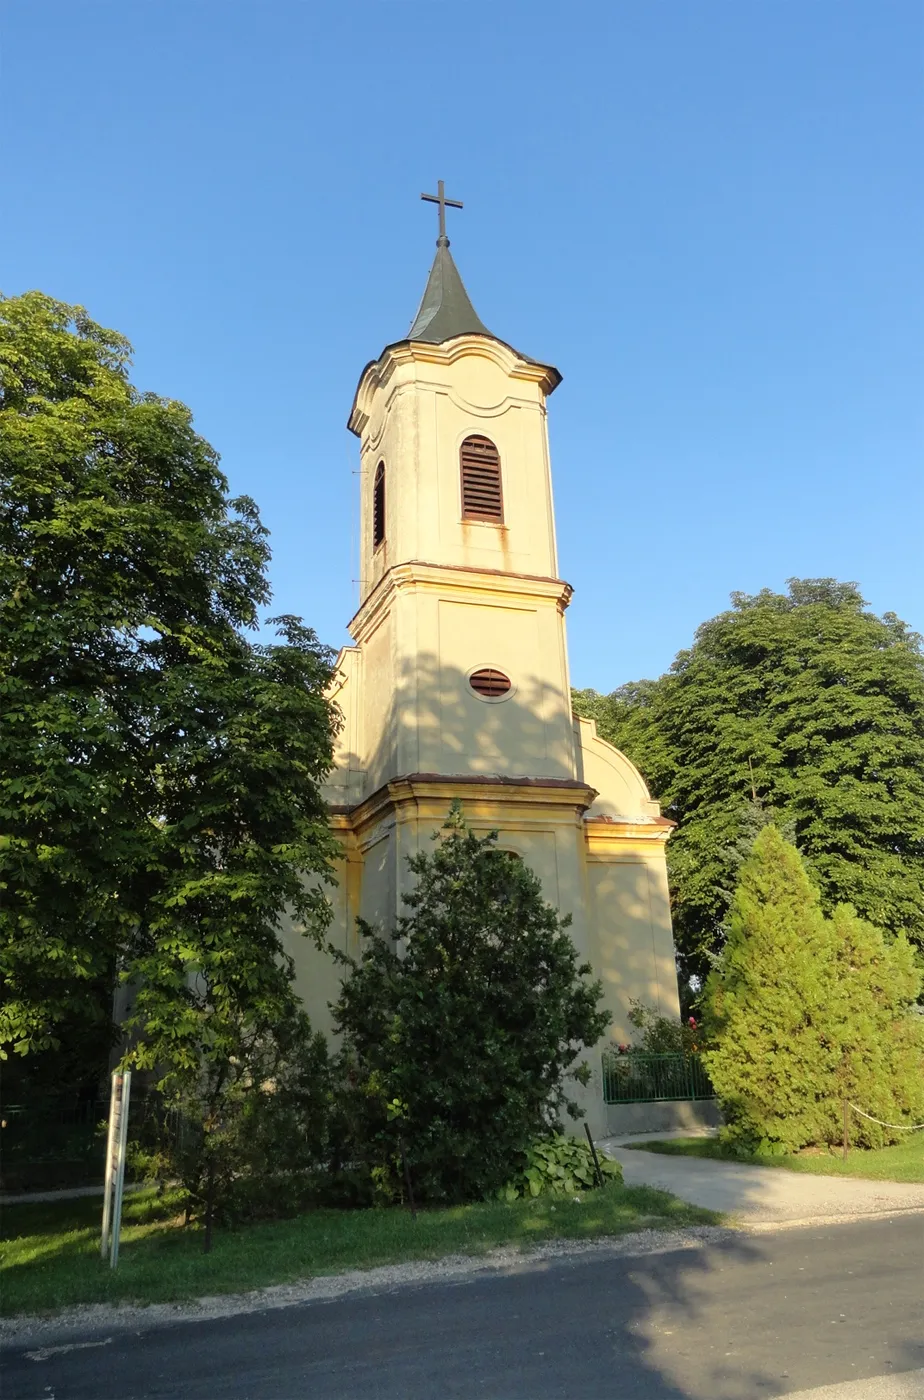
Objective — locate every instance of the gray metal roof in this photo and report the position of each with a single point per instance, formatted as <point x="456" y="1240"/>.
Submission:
<point x="445" y="310"/>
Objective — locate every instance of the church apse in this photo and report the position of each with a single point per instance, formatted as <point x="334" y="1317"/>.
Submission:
<point x="457" y="686"/>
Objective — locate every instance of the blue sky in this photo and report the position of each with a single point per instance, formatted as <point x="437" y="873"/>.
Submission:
<point x="709" y="216"/>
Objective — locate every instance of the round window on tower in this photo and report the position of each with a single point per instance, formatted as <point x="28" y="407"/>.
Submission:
<point x="490" y="683"/>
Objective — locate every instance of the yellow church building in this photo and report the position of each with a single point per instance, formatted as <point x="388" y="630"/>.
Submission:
<point x="457" y="684"/>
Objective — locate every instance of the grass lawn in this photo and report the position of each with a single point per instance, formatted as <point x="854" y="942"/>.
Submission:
<point x="904" y="1162"/>
<point x="50" y="1252"/>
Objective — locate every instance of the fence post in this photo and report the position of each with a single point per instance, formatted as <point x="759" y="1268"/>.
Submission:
<point x="407" y="1178"/>
<point x="845" y="1130"/>
<point x="593" y="1153"/>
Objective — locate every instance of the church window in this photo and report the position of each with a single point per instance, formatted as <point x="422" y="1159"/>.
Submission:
<point x="481" y="481"/>
<point x="490" y="684"/>
<point x="378" y="506"/>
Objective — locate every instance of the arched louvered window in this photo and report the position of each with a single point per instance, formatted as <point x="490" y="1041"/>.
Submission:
<point x="378" y="506"/>
<point x="481" y="481"/>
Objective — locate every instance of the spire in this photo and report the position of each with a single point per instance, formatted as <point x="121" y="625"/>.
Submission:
<point x="445" y="310"/>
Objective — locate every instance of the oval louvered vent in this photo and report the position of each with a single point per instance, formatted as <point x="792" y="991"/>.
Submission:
<point x="481" y="481"/>
<point x="489" y="683"/>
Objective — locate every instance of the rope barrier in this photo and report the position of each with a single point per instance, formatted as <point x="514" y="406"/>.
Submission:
<point x="902" y="1127"/>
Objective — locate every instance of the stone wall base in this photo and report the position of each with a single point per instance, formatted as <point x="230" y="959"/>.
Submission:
<point x="622" y="1118"/>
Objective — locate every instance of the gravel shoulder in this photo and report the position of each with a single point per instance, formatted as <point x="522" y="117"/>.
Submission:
<point x="74" y="1326"/>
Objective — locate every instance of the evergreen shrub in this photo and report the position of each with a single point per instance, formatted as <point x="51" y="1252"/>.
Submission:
<point x="803" y="1012"/>
<point x="461" y="1030"/>
<point x="878" y="1035"/>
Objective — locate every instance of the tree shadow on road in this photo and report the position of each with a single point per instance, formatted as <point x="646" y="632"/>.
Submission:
<point x="703" y="1316"/>
<point x="655" y="1325"/>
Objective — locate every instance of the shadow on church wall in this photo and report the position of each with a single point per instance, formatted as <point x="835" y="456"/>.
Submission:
<point x="429" y="721"/>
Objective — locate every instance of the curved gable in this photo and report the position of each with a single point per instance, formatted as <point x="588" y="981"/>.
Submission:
<point x="621" y="790"/>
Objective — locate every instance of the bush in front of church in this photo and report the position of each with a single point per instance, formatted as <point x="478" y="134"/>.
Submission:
<point x="461" y="1031"/>
<point x="246" y="1137"/>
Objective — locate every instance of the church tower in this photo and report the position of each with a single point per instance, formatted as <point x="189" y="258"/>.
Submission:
<point x="457" y="685"/>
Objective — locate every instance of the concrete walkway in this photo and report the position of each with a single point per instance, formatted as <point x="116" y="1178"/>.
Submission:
<point x="66" y="1193"/>
<point x="754" y="1195"/>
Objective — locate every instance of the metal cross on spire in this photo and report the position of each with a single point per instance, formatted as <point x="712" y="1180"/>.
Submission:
<point x="442" y="201"/>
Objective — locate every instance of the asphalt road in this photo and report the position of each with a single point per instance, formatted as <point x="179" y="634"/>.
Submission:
<point x="760" y="1315"/>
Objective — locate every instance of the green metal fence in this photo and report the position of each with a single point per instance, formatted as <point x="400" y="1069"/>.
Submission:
<point x="46" y="1143"/>
<point x="50" y="1142"/>
<point x="641" y="1078"/>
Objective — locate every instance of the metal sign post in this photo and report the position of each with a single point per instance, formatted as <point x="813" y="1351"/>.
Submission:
<point x="115" y="1094"/>
<point x="114" y="1184"/>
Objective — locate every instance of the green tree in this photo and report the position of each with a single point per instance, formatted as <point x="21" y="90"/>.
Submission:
<point x="812" y="704"/>
<point x="766" y="1004"/>
<point x="803" y="1011"/>
<point x="879" y="1040"/>
<point x="461" y="1032"/>
<point x="159" y="770"/>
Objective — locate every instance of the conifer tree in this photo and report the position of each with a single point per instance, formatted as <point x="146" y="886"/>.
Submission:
<point x="880" y="1042"/>
<point x="804" y="1012"/>
<point x="767" y="1002"/>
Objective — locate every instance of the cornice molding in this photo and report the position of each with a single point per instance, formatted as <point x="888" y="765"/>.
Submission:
<point x="403" y="352"/>
<point x="564" y="795"/>
<point x="416" y="573"/>
<point x="608" y="838"/>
